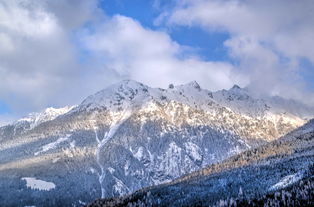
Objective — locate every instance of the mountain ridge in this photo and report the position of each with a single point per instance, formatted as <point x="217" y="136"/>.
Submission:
<point x="220" y="96"/>
<point x="131" y="136"/>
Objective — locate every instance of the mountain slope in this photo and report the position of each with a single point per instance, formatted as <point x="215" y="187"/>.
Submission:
<point x="278" y="173"/>
<point x="31" y="121"/>
<point x="244" y="101"/>
<point x="130" y="136"/>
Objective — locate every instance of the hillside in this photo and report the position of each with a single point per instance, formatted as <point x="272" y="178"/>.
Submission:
<point x="279" y="173"/>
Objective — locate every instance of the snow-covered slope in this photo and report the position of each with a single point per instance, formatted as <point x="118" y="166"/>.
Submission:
<point x="34" y="119"/>
<point x="235" y="110"/>
<point x="239" y="100"/>
<point x="244" y="101"/>
<point x="280" y="173"/>
<point x="129" y="136"/>
<point x="30" y="121"/>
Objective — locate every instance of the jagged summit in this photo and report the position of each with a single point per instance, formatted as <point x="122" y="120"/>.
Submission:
<point x="130" y="93"/>
<point x="240" y="100"/>
<point x="34" y="119"/>
<point x="193" y="84"/>
<point x="123" y="85"/>
<point x="130" y="83"/>
<point x="189" y="85"/>
<point x="236" y="89"/>
<point x="117" y="95"/>
<point x="235" y="86"/>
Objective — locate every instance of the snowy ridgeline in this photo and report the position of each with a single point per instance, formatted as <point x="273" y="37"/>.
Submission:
<point x="36" y="118"/>
<point x="240" y="100"/>
<point x="131" y="136"/>
<point x="129" y="94"/>
<point x="37" y="184"/>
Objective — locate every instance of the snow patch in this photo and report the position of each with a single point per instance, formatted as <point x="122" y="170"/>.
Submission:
<point x="111" y="170"/>
<point x="120" y="187"/>
<point x="73" y="144"/>
<point x="37" y="184"/>
<point x="126" y="168"/>
<point x="287" y="180"/>
<point x="92" y="170"/>
<point x="53" y="145"/>
<point x="193" y="150"/>
<point x="82" y="203"/>
<point x="55" y="160"/>
<point x="139" y="154"/>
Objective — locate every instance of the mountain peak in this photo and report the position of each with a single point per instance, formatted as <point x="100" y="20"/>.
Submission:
<point x="192" y="84"/>
<point x="34" y="119"/>
<point x="235" y="86"/>
<point x="237" y="90"/>
<point x="123" y="93"/>
<point x="124" y="85"/>
<point x="127" y="83"/>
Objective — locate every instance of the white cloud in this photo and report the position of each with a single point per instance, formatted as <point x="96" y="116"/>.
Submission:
<point x="152" y="57"/>
<point x="55" y="53"/>
<point x="50" y="58"/>
<point x="267" y="37"/>
<point x="38" y="61"/>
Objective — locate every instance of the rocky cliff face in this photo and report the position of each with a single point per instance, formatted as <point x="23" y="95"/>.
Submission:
<point x="280" y="173"/>
<point x="130" y="136"/>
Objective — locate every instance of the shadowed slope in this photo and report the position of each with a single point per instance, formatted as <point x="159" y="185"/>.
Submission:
<point x="283" y="168"/>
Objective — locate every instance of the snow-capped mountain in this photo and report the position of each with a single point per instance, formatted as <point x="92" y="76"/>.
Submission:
<point x="244" y="101"/>
<point x="32" y="120"/>
<point x="130" y="136"/>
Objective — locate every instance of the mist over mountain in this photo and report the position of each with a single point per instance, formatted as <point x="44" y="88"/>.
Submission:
<point x="129" y="136"/>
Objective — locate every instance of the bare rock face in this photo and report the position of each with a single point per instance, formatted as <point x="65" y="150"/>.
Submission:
<point x="130" y="136"/>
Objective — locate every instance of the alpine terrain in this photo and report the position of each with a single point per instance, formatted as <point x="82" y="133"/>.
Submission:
<point x="280" y="173"/>
<point x="130" y="136"/>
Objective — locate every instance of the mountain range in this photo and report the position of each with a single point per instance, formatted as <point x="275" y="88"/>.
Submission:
<point x="130" y="136"/>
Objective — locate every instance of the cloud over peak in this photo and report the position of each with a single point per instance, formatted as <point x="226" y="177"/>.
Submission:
<point x="268" y="38"/>
<point x="55" y="53"/>
<point x="152" y="56"/>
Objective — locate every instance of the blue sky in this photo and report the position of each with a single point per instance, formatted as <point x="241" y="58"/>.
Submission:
<point x="4" y="108"/>
<point x="208" y="45"/>
<point x="141" y="10"/>
<point x="82" y="47"/>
